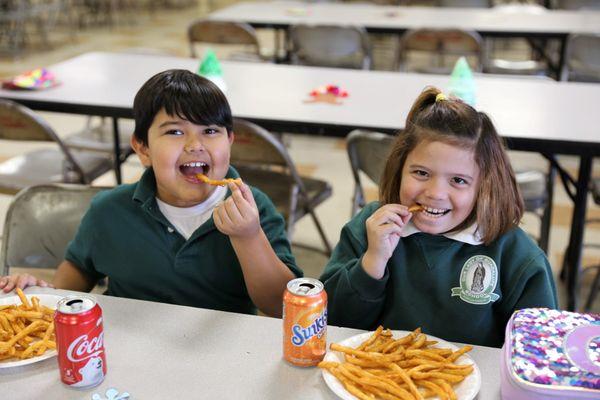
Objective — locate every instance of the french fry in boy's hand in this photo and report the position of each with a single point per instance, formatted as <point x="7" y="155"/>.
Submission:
<point x="221" y="182"/>
<point x="382" y="367"/>
<point x="26" y="330"/>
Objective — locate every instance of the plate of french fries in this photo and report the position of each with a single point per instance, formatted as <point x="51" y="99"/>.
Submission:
<point x="27" y="328"/>
<point x="387" y="364"/>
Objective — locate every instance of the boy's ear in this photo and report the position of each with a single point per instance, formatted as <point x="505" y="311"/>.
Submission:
<point x="141" y="150"/>
<point x="231" y="137"/>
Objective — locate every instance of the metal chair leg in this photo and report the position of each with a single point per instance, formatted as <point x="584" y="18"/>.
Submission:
<point x="546" y="221"/>
<point x="593" y="290"/>
<point x="322" y="233"/>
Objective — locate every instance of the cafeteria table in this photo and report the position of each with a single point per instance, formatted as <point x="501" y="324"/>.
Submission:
<point x="512" y="21"/>
<point x="163" y="351"/>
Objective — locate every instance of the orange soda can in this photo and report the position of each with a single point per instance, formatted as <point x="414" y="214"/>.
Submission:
<point x="304" y="322"/>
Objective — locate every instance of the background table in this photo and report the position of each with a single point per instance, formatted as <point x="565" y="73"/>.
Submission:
<point x="549" y="24"/>
<point x="533" y="115"/>
<point x="161" y="351"/>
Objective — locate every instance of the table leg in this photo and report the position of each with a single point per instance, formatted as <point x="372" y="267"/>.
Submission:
<point x="117" y="150"/>
<point x="577" y="228"/>
<point x="562" y="57"/>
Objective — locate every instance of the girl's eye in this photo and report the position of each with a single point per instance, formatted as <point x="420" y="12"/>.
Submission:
<point x="420" y="173"/>
<point x="176" y="132"/>
<point x="459" y="181"/>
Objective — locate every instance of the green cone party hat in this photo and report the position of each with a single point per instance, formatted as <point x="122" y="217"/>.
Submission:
<point x="210" y="68"/>
<point x="462" y="84"/>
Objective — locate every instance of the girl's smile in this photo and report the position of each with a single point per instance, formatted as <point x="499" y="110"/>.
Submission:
<point x="443" y="179"/>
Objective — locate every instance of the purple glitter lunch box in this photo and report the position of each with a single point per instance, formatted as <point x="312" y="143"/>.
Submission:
<point x="551" y="354"/>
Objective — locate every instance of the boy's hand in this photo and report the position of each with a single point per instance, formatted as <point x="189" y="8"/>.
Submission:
<point x="384" y="227"/>
<point x="9" y="282"/>
<point x="238" y="215"/>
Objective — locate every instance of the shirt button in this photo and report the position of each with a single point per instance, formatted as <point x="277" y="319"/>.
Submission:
<point x="171" y="230"/>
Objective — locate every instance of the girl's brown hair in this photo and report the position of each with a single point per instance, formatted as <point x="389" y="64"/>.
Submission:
<point x="498" y="206"/>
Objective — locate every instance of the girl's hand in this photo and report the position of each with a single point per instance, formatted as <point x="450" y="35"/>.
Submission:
<point x="10" y="282"/>
<point x="384" y="227"/>
<point x="238" y="215"/>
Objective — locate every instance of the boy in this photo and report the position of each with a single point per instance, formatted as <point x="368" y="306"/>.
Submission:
<point x="155" y="239"/>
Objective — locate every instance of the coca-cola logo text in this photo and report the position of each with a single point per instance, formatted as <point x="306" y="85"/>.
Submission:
<point x="83" y="348"/>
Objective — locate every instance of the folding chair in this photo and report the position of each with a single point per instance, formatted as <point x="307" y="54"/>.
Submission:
<point x="496" y="62"/>
<point x="238" y="36"/>
<point x="330" y="46"/>
<point x="57" y="164"/>
<point x="576" y="4"/>
<point x="367" y="151"/>
<point x="263" y="161"/>
<point x="435" y="51"/>
<point x="582" y="62"/>
<point x="40" y="223"/>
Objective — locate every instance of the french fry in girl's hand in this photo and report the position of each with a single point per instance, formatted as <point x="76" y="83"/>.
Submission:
<point x="407" y="368"/>
<point x="214" y="182"/>
<point x="415" y="208"/>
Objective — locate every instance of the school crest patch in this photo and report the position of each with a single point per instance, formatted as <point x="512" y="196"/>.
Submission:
<point x="478" y="279"/>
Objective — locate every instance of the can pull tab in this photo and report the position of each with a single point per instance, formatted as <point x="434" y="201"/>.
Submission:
<point x="304" y="288"/>
<point x="76" y="305"/>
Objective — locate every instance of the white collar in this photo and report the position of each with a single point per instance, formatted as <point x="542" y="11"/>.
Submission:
<point x="468" y="235"/>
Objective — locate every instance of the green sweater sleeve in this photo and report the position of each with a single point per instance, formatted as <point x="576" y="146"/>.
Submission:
<point x="355" y="299"/>
<point x="533" y="287"/>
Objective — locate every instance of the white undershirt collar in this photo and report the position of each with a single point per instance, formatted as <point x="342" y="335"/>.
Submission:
<point x="468" y="235"/>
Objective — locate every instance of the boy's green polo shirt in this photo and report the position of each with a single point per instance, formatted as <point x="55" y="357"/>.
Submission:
<point x="125" y="237"/>
<point x="454" y="290"/>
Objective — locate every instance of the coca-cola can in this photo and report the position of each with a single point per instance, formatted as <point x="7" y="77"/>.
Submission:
<point x="80" y="341"/>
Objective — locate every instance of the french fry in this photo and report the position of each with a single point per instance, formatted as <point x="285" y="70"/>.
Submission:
<point x="415" y="208"/>
<point x="26" y="330"/>
<point x="408" y="368"/>
<point x="214" y="182"/>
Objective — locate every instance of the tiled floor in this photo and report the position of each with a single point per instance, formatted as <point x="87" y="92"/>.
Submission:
<point x="322" y="157"/>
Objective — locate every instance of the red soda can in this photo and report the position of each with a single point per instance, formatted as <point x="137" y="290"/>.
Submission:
<point x="304" y="322"/>
<point x="80" y="341"/>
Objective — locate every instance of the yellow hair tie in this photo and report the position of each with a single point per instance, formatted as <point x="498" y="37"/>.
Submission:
<point x="440" y="97"/>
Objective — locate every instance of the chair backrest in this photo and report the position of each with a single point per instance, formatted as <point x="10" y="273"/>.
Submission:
<point x="437" y="50"/>
<point x="576" y="4"/>
<point x="465" y="3"/>
<point x="256" y="147"/>
<point x="222" y="33"/>
<point x="368" y="152"/>
<point x="40" y="222"/>
<point x="18" y="122"/>
<point x="330" y="46"/>
<point x="582" y="58"/>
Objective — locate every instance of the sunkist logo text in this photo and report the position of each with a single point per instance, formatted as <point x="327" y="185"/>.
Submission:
<point x="301" y="335"/>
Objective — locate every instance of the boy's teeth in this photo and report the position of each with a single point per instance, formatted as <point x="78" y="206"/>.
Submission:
<point x="195" y="164"/>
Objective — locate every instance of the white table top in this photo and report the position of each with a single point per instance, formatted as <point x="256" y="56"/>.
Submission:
<point x="560" y="117"/>
<point x="161" y="351"/>
<point x="392" y="18"/>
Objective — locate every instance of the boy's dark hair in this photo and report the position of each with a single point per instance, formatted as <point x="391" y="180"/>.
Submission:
<point x="181" y="93"/>
<point x="498" y="206"/>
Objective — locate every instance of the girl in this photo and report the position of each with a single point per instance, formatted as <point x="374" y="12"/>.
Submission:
<point x="460" y="266"/>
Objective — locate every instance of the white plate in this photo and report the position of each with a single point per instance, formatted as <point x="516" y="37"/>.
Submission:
<point x="48" y="300"/>
<point x="465" y="390"/>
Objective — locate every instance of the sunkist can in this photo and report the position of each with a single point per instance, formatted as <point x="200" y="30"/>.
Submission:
<point x="304" y="322"/>
<point x="80" y="341"/>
